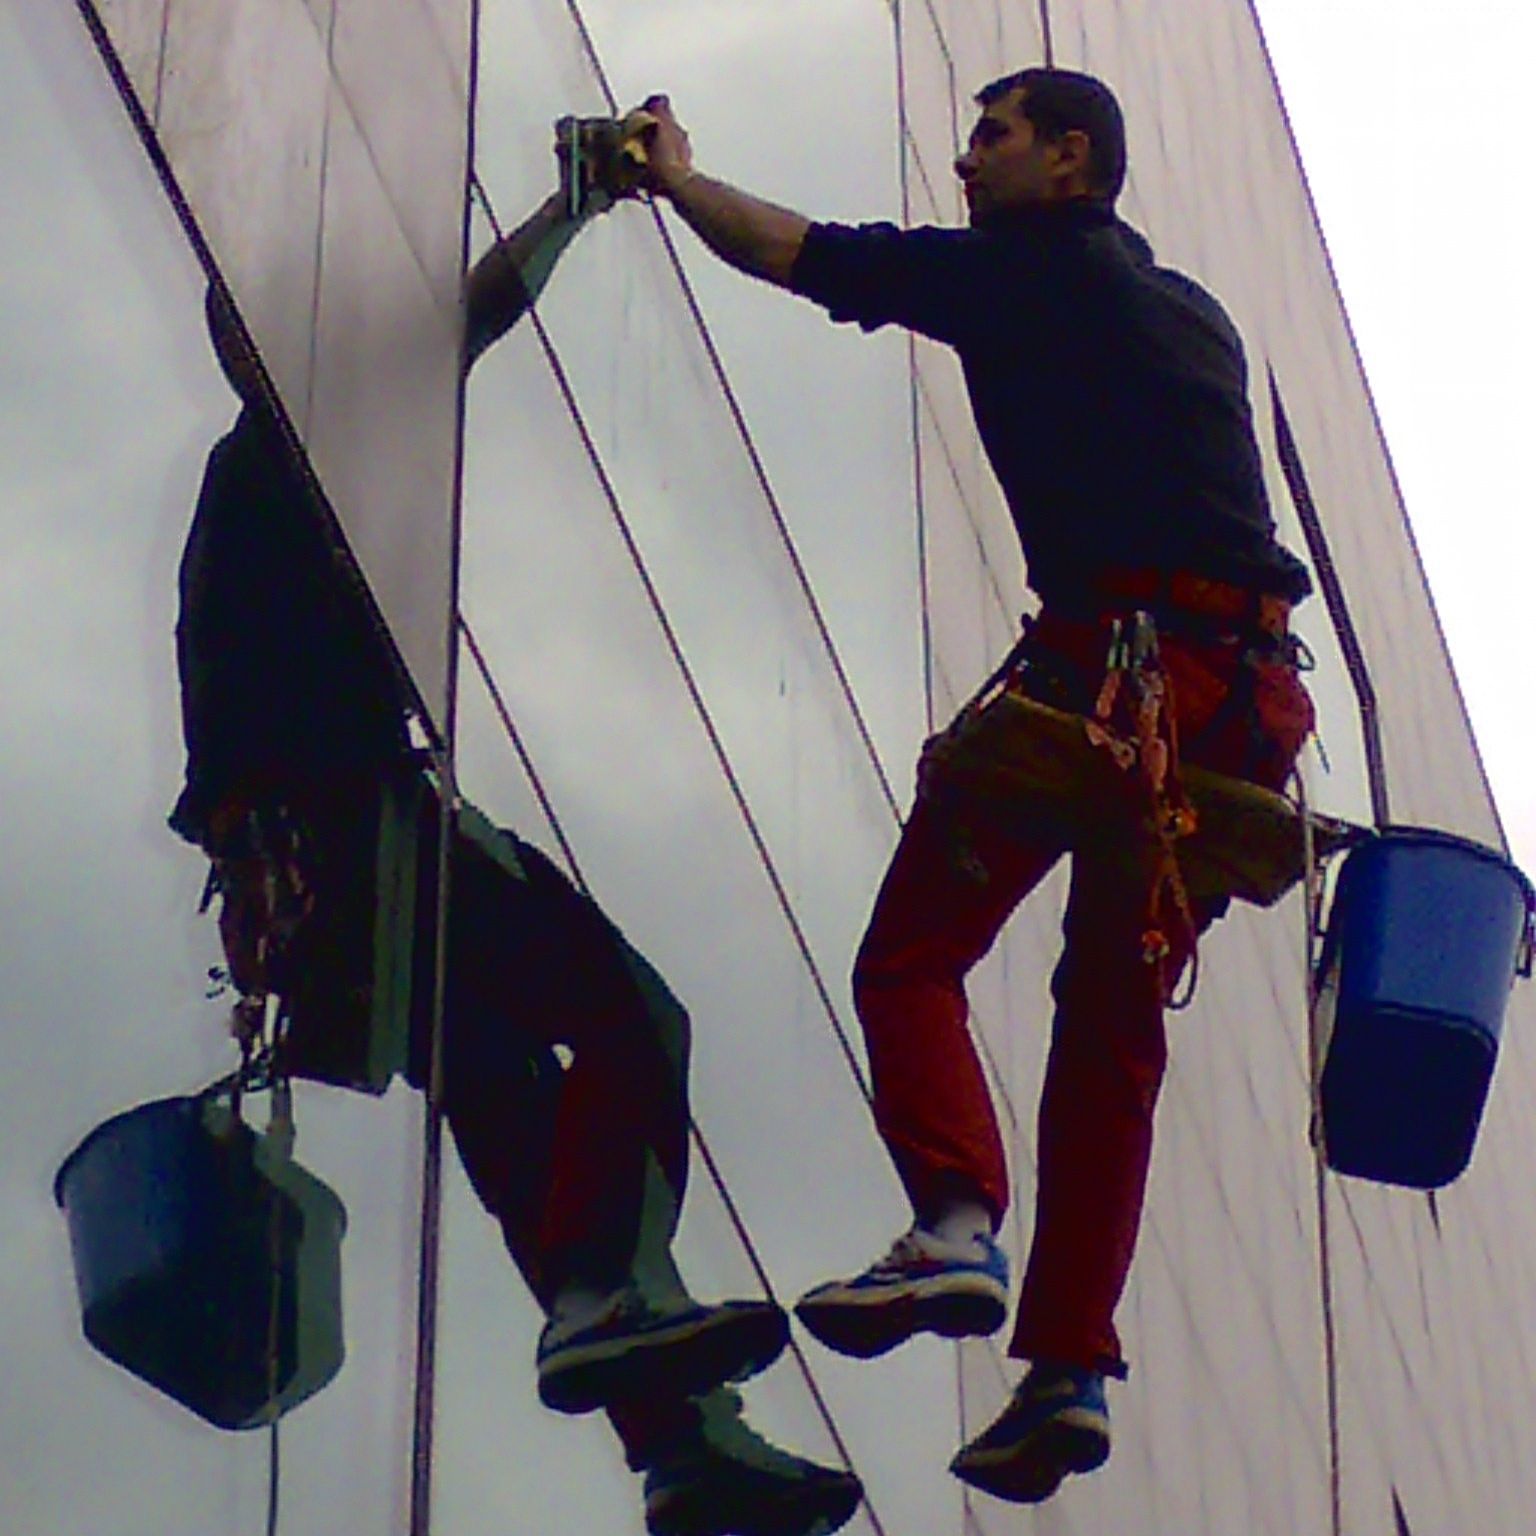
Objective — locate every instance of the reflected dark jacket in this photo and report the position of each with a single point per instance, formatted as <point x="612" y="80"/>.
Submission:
<point x="283" y="672"/>
<point x="1110" y="393"/>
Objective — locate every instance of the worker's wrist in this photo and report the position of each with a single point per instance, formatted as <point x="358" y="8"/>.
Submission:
<point x="672" y="180"/>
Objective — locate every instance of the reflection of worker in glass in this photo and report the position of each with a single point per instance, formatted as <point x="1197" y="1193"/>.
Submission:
<point x="296" y="739"/>
<point x="1110" y="394"/>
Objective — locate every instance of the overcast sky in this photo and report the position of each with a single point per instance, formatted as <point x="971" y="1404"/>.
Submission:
<point x="1413" y="121"/>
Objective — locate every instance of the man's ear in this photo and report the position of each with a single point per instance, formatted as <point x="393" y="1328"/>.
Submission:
<point x="1071" y="153"/>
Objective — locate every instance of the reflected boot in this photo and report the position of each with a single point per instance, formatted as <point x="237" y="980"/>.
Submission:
<point x="724" y="1479"/>
<point x="598" y="1350"/>
<point x="1057" y="1422"/>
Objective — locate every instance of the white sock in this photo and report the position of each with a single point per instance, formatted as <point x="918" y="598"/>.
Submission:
<point x="960" y="1221"/>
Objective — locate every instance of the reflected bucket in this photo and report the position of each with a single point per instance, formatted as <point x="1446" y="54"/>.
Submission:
<point x="1424" y="941"/>
<point x="206" y="1265"/>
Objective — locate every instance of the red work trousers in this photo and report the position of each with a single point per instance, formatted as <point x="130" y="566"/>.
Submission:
<point x="935" y="918"/>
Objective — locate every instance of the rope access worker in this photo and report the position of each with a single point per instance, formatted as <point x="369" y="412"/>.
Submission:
<point x="1111" y="396"/>
<point x="293" y="720"/>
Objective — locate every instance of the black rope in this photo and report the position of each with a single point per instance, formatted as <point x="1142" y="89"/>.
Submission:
<point x="690" y="682"/>
<point x="749" y="444"/>
<point x="274" y="1479"/>
<point x="429" y="1259"/>
<point x="700" y="1141"/>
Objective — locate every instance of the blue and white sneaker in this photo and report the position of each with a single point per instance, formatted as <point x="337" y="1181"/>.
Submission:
<point x="1056" y="1422"/>
<point x="630" y="1348"/>
<point x="923" y="1285"/>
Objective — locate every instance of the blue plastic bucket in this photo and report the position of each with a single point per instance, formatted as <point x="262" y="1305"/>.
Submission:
<point x="1424" y="941"/>
<point x="204" y="1266"/>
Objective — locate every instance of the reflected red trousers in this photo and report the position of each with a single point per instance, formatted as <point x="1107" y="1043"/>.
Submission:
<point x="584" y="1165"/>
<point x="1239" y="711"/>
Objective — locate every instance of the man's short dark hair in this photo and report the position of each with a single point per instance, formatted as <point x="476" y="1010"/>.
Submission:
<point x="1057" y="101"/>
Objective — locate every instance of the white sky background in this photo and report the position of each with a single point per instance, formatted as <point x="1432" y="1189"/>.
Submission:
<point x="1413" y="121"/>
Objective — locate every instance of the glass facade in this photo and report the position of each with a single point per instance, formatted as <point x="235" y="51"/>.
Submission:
<point x="725" y="565"/>
<point x="336" y="219"/>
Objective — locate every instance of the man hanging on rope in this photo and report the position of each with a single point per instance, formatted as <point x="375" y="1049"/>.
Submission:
<point x="296" y="734"/>
<point x="1110" y="395"/>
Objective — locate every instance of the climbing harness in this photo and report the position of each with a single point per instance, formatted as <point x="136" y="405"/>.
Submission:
<point x="1134" y="721"/>
<point x="1075" y="739"/>
<point x="318" y="906"/>
<point x="1132" y="724"/>
<point x="262" y="866"/>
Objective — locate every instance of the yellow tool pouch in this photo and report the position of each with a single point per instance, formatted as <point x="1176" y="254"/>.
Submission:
<point x="1034" y="769"/>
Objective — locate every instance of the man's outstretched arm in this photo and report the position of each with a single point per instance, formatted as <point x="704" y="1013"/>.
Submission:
<point x="754" y="236"/>
<point x="509" y="277"/>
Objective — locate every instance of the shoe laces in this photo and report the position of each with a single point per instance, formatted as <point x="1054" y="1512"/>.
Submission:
<point x="912" y="1247"/>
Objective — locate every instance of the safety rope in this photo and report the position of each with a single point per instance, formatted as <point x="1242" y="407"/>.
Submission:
<point x="691" y="685"/>
<point x="700" y="1141"/>
<point x="257" y="1023"/>
<point x="263" y="1055"/>
<point x="429" y="1258"/>
<point x="275" y="838"/>
<point x="274" y="1478"/>
<point x="280" y="1136"/>
<point x="748" y="442"/>
<point x="1312" y="907"/>
<point x="281" y="1117"/>
<point x="906" y="154"/>
<point x="973" y="519"/>
<point x="910" y="156"/>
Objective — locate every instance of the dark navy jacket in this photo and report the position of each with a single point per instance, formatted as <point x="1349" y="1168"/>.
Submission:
<point x="284" y="672"/>
<point x="1110" y="393"/>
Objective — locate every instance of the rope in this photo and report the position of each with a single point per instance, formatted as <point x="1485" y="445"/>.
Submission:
<point x="280" y="1132"/>
<point x="744" y="432"/>
<point x="525" y="761"/>
<point x="1311" y="916"/>
<point x="906" y="157"/>
<point x="909" y="158"/>
<point x="706" y="1153"/>
<point x="973" y="520"/>
<point x="280" y="1128"/>
<point x="797" y="566"/>
<point x="262" y="1053"/>
<point x="690" y="683"/>
<point x="274" y="1479"/>
<point x="430" y="1248"/>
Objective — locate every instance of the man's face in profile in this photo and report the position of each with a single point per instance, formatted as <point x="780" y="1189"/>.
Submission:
<point x="1009" y="164"/>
